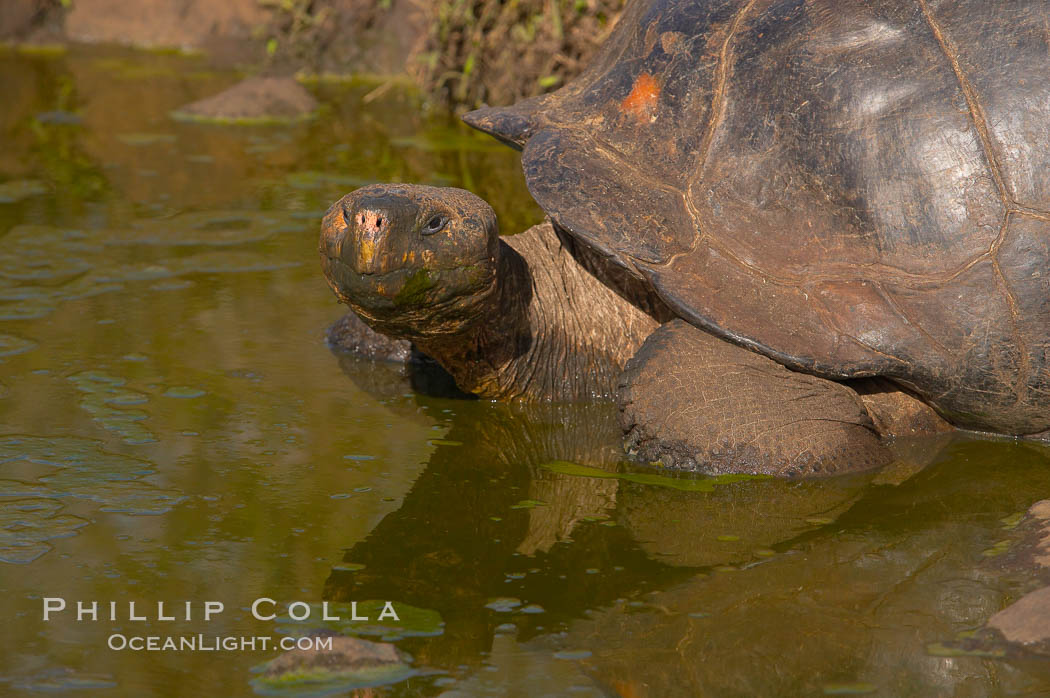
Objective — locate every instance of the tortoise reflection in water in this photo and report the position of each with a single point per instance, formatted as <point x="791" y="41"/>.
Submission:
<point x="753" y="205"/>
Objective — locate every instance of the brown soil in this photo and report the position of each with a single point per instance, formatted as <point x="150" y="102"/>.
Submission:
<point x="464" y="53"/>
<point x="188" y="24"/>
<point x="21" y="19"/>
<point x="340" y="37"/>
<point x="492" y="52"/>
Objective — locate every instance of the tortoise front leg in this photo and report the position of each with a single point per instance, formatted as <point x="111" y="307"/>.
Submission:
<point x="695" y="402"/>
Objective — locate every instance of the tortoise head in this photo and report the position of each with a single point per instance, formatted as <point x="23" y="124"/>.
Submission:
<point x="413" y="261"/>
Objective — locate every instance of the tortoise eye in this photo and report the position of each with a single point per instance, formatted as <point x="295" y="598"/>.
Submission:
<point x="435" y="225"/>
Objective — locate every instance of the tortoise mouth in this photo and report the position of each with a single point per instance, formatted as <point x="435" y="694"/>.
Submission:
<point x="362" y="286"/>
<point x="349" y="269"/>
<point x="410" y="301"/>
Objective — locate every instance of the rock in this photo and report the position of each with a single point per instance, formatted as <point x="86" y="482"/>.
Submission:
<point x="1027" y="620"/>
<point x="1028" y="552"/>
<point x="1039" y="514"/>
<point x="349" y="663"/>
<point x="895" y="412"/>
<point x="1022" y="629"/>
<point x="254" y="100"/>
<point x="351" y="334"/>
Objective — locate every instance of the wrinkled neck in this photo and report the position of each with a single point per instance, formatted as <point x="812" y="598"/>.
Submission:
<point x="551" y="331"/>
<point x="482" y="357"/>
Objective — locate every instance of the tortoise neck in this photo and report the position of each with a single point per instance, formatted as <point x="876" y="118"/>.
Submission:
<point x="483" y="359"/>
<point x="551" y="331"/>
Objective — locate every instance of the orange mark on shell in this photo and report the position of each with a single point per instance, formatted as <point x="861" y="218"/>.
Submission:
<point x="629" y="689"/>
<point x="641" y="103"/>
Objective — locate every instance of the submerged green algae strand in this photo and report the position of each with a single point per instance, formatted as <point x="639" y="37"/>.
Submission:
<point x="367" y="618"/>
<point x="173" y="427"/>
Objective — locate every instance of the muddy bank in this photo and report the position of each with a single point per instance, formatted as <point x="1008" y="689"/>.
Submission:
<point x="462" y="53"/>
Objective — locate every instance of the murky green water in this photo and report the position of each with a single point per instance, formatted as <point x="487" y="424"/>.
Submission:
<point x="173" y="427"/>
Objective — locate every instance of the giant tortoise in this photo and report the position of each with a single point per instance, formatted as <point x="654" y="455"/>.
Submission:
<point x="778" y="230"/>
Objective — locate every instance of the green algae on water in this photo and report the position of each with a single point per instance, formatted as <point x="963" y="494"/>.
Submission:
<point x="141" y="139"/>
<point x="19" y="189"/>
<point x="101" y="392"/>
<point x="1010" y="522"/>
<point x="938" y="649"/>
<point x="85" y="471"/>
<point x="10" y="344"/>
<point x="64" y="680"/>
<point x="42" y="50"/>
<point x="27" y="524"/>
<point x="706" y="484"/>
<point x="503" y="604"/>
<point x="411" y="622"/>
<point x="184" y="392"/>
<point x="572" y="654"/>
<point x="242" y="121"/>
<point x="849" y="689"/>
<point x="528" y="504"/>
<point x="998" y="549"/>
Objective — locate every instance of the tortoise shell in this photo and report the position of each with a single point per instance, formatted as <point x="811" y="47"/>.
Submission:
<point x="851" y="187"/>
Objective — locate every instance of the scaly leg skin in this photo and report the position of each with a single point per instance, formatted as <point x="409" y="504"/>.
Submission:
<point x="695" y="402"/>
